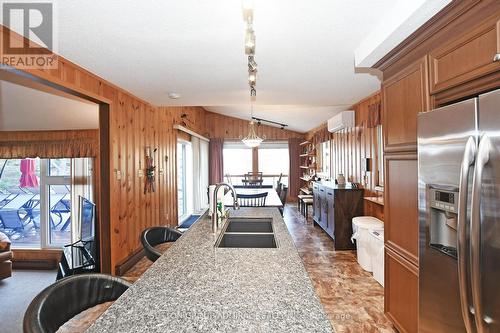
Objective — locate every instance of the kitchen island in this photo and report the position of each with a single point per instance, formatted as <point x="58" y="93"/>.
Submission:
<point x="196" y="287"/>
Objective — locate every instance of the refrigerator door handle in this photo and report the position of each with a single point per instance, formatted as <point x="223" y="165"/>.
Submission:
<point x="482" y="158"/>
<point x="462" y="246"/>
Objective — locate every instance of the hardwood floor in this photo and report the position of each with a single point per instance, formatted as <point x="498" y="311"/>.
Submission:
<point x="352" y="299"/>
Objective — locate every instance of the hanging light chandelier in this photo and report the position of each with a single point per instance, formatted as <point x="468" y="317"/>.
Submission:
<point x="252" y="139"/>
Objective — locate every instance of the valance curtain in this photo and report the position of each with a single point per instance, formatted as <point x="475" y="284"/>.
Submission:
<point x="216" y="167"/>
<point x="321" y="135"/>
<point x="294" y="167"/>
<point x="49" y="144"/>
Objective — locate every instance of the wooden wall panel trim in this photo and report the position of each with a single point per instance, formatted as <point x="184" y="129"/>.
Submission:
<point x="450" y="21"/>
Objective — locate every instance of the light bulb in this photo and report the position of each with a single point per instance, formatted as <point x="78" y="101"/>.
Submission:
<point x="252" y="79"/>
<point x="250" y="42"/>
<point x="248" y="10"/>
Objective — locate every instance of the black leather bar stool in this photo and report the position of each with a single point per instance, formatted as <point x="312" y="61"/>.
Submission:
<point x="66" y="298"/>
<point x="157" y="235"/>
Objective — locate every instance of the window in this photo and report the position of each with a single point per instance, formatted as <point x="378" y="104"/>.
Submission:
<point x="237" y="161"/>
<point x="323" y="160"/>
<point x="184" y="182"/>
<point x="273" y="161"/>
<point x="37" y="200"/>
<point x="380" y="157"/>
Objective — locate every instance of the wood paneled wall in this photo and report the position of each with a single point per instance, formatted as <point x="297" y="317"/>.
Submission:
<point x="230" y="128"/>
<point x="214" y="125"/>
<point x="133" y="125"/>
<point x="350" y="146"/>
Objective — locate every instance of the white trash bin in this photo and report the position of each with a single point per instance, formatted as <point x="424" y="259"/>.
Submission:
<point x="377" y="245"/>
<point x="361" y="227"/>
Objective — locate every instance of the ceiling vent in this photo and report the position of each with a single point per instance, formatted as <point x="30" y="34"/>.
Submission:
<point x="344" y="119"/>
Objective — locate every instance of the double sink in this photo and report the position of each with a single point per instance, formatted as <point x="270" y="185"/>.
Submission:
<point x="247" y="233"/>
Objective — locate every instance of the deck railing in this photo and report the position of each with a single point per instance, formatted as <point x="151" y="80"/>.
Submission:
<point x="268" y="179"/>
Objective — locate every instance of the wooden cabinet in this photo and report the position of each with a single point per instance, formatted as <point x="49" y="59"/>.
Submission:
<point x="467" y="57"/>
<point x="334" y="209"/>
<point x="404" y="95"/>
<point x="330" y="206"/>
<point x="401" y="204"/>
<point x="449" y="58"/>
<point x="401" y="292"/>
<point x="316" y="204"/>
<point x="323" y="221"/>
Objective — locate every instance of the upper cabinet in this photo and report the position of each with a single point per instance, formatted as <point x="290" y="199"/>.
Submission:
<point x="467" y="57"/>
<point x="404" y="95"/>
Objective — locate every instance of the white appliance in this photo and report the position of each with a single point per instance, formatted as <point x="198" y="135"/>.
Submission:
<point x="344" y="119"/>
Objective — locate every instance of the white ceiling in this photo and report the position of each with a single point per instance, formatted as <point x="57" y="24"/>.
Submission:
<point x="305" y="52"/>
<point x="27" y="109"/>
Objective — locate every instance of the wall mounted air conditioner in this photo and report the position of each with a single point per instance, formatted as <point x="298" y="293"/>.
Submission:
<point x="344" y="119"/>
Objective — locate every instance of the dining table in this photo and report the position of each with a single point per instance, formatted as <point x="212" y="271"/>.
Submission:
<point x="272" y="199"/>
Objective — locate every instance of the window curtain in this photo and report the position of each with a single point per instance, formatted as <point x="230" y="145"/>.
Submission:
<point x="204" y="160"/>
<point x="321" y="135"/>
<point x="216" y="168"/>
<point x="200" y="174"/>
<point x="374" y="115"/>
<point x="294" y="178"/>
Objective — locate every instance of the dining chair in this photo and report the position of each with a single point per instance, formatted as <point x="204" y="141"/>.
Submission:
<point x="254" y="179"/>
<point x="283" y="194"/>
<point x="252" y="200"/>
<point x="66" y="298"/>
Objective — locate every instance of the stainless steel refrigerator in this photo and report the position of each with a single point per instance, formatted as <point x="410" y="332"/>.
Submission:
<point x="459" y="216"/>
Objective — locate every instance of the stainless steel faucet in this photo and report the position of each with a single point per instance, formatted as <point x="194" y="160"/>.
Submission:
<point x="214" y="206"/>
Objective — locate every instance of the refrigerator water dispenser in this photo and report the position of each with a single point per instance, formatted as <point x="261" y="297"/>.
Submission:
<point x="443" y="206"/>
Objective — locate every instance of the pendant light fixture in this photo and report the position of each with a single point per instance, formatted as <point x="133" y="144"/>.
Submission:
<point x="252" y="139"/>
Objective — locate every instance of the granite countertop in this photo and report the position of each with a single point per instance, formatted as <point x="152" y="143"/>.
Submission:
<point x="195" y="287"/>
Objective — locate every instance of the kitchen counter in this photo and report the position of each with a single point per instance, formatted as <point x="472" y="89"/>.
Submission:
<point x="196" y="287"/>
<point x="332" y="185"/>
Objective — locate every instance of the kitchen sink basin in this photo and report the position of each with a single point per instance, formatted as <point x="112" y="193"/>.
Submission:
<point x="250" y="225"/>
<point x="248" y="240"/>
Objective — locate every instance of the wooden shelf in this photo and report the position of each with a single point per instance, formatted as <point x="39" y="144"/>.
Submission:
<point x="307" y="167"/>
<point x="304" y="143"/>
<point x="377" y="200"/>
<point x="307" y="155"/>
<point x="305" y="179"/>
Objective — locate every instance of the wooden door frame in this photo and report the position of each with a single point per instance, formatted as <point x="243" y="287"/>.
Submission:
<point x="102" y="188"/>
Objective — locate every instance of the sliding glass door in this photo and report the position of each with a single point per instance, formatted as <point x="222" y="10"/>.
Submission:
<point x="38" y="200"/>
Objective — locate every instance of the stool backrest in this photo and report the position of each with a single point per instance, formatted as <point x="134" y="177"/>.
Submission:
<point x="66" y="298"/>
